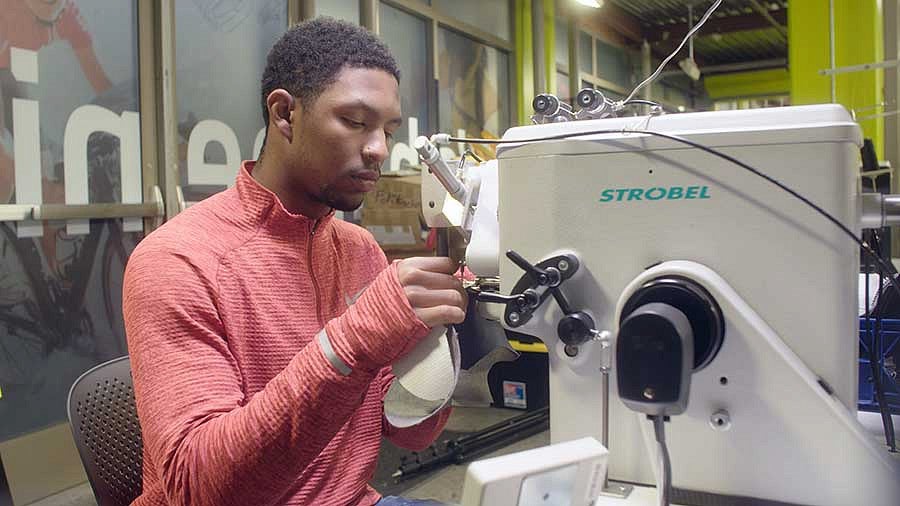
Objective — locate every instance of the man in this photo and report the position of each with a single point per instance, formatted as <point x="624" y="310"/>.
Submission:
<point x="258" y="379"/>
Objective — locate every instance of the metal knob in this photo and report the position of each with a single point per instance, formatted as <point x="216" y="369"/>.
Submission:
<point x="545" y="104"/>
<point x="576" y="328"/>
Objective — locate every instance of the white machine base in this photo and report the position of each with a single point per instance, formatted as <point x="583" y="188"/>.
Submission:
<point x="564" y="474"/>
<point x="640" y="496"/>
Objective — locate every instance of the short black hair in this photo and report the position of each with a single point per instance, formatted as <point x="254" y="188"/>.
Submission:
<point x="309" y="56"/>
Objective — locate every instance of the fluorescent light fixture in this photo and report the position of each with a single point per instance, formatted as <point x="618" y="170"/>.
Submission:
<point x="596" y="4"/>
<point x="689" y="66"/>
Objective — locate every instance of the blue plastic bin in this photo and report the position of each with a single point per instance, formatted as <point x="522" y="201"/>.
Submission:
<point x="890" y="341"/>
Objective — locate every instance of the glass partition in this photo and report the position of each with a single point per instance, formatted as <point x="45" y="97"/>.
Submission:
<point x="491" y="16"/>
<point x="69" y="120"/>
<point x="220" y="54"/>
<point x="473" y="96"/>
<point x="348" y="10"/>
<point x="407" y="37"/>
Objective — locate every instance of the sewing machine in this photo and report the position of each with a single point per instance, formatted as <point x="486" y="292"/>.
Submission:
<point x="603" y="226"/>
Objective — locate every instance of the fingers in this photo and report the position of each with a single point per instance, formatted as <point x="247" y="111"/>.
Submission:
<point x="440" y="315"/>
<point x="442" y="265"/>
<point x="436" y="296"/>
<point x="429" y="280"/>
<point x="419" y="298"/>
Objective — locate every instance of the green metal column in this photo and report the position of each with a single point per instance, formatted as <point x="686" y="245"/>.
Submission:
<point x="524" y="66"/>
<point x="858" y="40"/>
<point x="550" y="45"/>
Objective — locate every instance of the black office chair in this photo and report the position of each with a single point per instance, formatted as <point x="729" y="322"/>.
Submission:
<point x="105" y="426"/>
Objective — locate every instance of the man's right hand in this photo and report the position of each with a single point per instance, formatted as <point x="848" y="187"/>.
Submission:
<point x="435" y="294"/>
<point x="378" y="329"/>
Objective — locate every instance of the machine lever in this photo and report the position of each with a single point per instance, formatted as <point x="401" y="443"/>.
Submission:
<point x="522" y="300"/>
<point x="539" y="283"/>
<point x="537" y="274"/>
<point x="549" y="276"/>
<point x="561" y="300"/>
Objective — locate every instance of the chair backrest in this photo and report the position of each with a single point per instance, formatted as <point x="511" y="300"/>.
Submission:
<point x="105" y="426"/>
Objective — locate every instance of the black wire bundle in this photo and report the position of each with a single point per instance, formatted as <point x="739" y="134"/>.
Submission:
<point x="875" y="344"/>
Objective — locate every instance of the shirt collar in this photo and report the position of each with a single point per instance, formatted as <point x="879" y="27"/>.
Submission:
<point x="264" y="205"/>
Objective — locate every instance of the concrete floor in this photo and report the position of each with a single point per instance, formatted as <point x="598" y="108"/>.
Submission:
<point x="445" y="484"/>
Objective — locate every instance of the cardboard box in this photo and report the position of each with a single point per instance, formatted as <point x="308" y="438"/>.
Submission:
<point x="393" y="213"/>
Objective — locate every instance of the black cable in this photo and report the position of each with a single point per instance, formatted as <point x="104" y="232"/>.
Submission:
<point x="876" y="374"/>
<point x="882" y="264"/>
<point x="664" y="487"/>
<point x="638" y="101"/>
<point x="649" y="103"/>
<point x="471" y="153"/>
<point x="875" y="347"/>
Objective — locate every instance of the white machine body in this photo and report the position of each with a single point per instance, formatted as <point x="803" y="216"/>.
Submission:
<point x="565" y="474"/>
<point x="633" y="207"/>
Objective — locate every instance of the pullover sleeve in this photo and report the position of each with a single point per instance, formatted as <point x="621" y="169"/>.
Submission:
<point x="211" y="444"/>
<point x="379" y="344"/>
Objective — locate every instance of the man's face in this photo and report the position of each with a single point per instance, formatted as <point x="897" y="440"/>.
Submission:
<point x="343" y="137"/>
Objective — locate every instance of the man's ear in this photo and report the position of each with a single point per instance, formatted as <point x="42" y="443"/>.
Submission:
<point x="281" y="106"/>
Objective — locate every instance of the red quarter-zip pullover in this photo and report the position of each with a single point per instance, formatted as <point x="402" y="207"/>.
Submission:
<point x="237" y="400"/>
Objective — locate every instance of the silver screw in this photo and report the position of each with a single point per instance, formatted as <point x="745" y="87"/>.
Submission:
<point x="649" y="393"/>
<point x="514" y="317"/>
<point x="563" y="265"/>
<point x="720" y="420"/>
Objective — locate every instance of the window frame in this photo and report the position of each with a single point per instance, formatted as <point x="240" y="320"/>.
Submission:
<point x="574" y="30"/>
<point x="436" y="20"/>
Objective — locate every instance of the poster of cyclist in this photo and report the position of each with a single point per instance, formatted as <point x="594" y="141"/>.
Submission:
<point x="59" y="292"/>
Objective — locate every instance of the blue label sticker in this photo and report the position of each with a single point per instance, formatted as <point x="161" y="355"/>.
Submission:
<point x="514" y="394"/>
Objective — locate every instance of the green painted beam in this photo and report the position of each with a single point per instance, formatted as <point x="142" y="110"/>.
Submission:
<point x="550" y="45"/>
<point x="748" y="84"/>
<point x="858" y="39"/>
<point x="808" y="51"/>
<point x="524" y="60"/>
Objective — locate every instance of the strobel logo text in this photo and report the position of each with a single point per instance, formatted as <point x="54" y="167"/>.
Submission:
<point x="655" y="193"/>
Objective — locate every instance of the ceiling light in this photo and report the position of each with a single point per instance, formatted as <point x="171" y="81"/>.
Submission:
<point x="596" y="4"/>
<point x="689" y="66"/>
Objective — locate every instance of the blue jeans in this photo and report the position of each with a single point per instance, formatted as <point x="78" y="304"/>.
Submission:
<point x="393" y="500"/>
